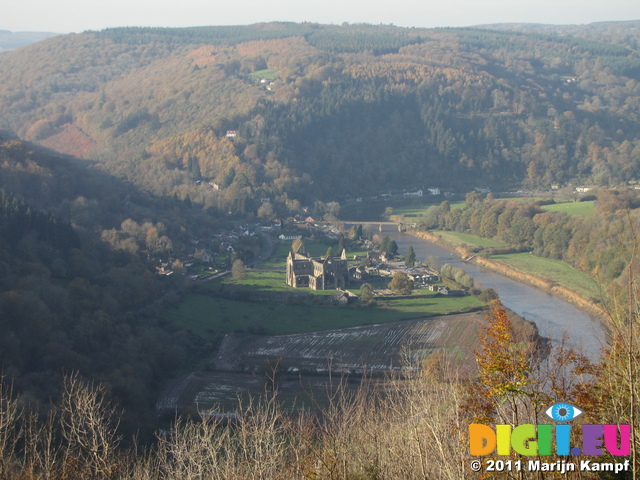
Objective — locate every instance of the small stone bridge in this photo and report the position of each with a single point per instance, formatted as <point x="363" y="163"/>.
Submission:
<point x="401" y="227"/>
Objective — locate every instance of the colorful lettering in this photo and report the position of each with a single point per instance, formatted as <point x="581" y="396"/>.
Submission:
<point x="531" y="440"/>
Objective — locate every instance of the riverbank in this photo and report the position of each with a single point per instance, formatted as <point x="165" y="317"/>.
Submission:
<point x="551" y="287"/>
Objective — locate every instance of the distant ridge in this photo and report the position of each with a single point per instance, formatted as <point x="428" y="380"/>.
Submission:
<point x="10" y="40"/>
<point x="602" y="29"/>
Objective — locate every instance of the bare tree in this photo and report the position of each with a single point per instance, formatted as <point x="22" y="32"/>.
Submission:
<point x="41" y="447"/>
<point x="10" y="416"/>
<point x="238" y="270"/>
<point x="89" y="425"/>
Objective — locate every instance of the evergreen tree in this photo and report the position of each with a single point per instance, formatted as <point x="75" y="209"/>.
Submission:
<point x="341" y="246"/>
<point x="410" y="258"/>
<point x="385" y="244"/>
<point x="389" y="246"/>
<point x="393" y="248"/>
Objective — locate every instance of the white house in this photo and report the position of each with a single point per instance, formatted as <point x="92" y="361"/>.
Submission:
<point x="289" y="237"/>
<point x="417" y="193"/>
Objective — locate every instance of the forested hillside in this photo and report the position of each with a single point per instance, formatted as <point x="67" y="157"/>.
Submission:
<point x="230" y="115"/>
<point x="77" y="281"/>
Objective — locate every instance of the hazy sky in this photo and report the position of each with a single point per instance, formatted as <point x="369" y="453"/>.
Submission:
<point x="64" y="16"/>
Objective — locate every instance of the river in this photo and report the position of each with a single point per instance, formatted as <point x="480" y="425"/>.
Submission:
<point x="554" y="317"/>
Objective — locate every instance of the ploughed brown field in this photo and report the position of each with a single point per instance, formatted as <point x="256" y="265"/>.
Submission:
<point x="309" y="364"/>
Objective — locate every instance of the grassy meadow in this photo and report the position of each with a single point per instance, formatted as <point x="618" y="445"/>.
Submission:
<point x="581" y="209"/>
<point x="419" y="210"/>
<point x="207" y="315"/>
<point x="267" y="74"/>
<point x="578" y="209"/>
<point x="554" y="270"/>
<point x="458" y="238"/>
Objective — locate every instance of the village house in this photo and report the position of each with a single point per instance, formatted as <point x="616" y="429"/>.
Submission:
<point x="164" y="268"/>
<point x="204" y="255"/>
<point x="360" y="273"/>
<point x="386" y="257"/>
<point x="417" y="193"/>
<point x="452" y="293"/>
<point x="343" y="297"/>
<point x="289" y="237"/>
<point x="424" y="279"/>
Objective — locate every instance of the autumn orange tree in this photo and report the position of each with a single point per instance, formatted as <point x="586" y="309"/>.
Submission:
<point x="519" y="375"/>
<point x="503" y="387"/>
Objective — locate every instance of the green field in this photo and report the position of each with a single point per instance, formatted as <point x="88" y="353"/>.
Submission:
<point x="457" y="238"/>
<point x="264" y="281"/>
<point x="269" y="281"/>
<point x="553" y="270"/>
<point x="420" y="210"/>
<point x="578" y="209"/>
<point x="267" y="74"/>
<point x="582" y="209"/>
<point x="278" y="258"/>
<point x="208" y="315"/>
